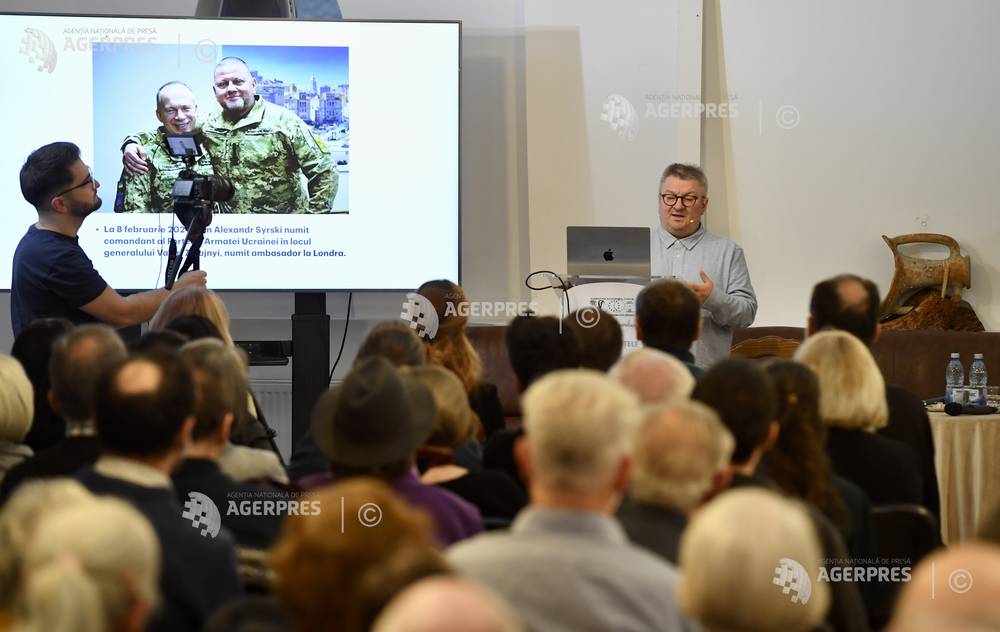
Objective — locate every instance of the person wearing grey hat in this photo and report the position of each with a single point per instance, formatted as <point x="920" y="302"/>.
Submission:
<point x="371" y="424"/>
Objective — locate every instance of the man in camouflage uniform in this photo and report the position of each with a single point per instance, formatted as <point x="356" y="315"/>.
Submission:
<point x="147" y="181"/>
<point x="263" y="148"/>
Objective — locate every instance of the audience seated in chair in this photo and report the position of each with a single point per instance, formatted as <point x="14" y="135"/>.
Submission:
<point x="682" y="454"/>
<point x="668" y="318"/>
<point x="493" y="492"/>
<point x="566" y="563"/>
<point x="450" y="347"/>
<point x="850" y="303"/>
<point x="852" y="406"/>
<point x="953" y="589"/>
<point x="729" y="553"/>
<point x="33" y="348"/>
<point x="392" y="340"/>
<point x="447" y="604"/>
<point x="599" y="337"/>
<point x="79" y="359"/>
<point x="144" y="414"/>
<point x="220" y="378"/>
<point x="371" y="425"/>
<point x="340" y="575"/>
<point x="656" y="377"/>
<point x="16" y="411"/>
<point x="798" y="463"/>
<point x="92" y="565"/>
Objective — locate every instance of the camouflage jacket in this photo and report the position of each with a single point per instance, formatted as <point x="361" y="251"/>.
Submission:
<point x="263" y="154"/>
<point x="152" y="192"/>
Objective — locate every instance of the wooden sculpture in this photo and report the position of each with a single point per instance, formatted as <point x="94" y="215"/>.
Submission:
<point x="914" y="274"/>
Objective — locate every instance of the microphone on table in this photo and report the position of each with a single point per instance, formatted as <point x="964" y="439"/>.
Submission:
<point x="955" y="409"/>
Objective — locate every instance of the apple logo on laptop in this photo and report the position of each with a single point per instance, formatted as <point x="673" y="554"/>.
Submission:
<point x="609" y="255"/>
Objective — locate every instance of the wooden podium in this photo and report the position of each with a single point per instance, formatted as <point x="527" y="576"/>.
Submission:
<point x="614" y="295"/>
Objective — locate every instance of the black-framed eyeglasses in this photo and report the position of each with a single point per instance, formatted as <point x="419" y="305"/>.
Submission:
<point x="687" y="200"/>
<point x="88" y="180"/>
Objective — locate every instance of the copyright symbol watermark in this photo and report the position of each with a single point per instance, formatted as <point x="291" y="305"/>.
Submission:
<point x="369" y="515"/>
<point x="206" y="50"/>
<point x="787" y="117"/>
<point x="588" y="316"/>
<point x="960" y="581"/>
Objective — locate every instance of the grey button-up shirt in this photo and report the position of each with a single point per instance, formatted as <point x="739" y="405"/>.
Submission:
<point x="731" y="304"/>
<point x="573" y="571"/>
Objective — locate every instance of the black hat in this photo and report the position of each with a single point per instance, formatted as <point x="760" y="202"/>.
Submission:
<point x="374" y="417"/>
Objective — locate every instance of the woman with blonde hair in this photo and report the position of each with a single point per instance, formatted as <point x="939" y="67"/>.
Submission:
<point x="742" y="561"/>
<point x="90" y="567"/>
<point x="450" y="347"/>
<point x="493" y="492"/>
<point x="198" y="301"/>
<point x="17" y="408"/>
<point x="852" y="406"/>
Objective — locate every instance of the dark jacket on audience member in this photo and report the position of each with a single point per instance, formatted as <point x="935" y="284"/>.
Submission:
<point x="492" y="492"/>
<point x="909" y="423"/>
<point x="205" y="476"/>
<point x="199" y="572"/>
<point x="484" y="400"/>
<point x="885" y="469"/>
<point x="655" y="528"/>
<point x="61" y="459"/>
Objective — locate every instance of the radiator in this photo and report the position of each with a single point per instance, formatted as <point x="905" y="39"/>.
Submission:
<point x="275" y="397"/>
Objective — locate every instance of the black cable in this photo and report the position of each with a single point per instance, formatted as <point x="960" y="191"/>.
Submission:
<point x="343" y="339"/>
<point x="562" y="285"/>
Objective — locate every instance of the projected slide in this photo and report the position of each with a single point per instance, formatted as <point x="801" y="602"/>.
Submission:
<point x="340" y="140"/>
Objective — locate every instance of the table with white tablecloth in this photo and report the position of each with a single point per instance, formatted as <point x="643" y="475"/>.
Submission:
<point x="967" y="456"/>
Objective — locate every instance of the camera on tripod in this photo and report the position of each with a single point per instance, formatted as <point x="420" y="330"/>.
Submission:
<point x="194" y="195"/>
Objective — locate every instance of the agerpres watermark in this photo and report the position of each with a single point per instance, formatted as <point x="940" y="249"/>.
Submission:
<point x="793" y="579"/>
<point x="422" y="317"/>
<point x="204" y="515"/>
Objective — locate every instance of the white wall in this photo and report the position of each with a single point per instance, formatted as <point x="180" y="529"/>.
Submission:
<point x="897" y="133"/>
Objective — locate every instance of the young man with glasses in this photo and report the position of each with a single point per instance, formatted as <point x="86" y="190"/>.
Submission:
<point x="52" y="276"/>
<point x="711" y="265"/>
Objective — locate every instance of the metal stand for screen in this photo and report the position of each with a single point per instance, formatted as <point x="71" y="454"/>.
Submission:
<point x="310" y="357"/>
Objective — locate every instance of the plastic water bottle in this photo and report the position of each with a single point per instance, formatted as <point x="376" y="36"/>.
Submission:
<point x="977" y="377"/>
<point x="954" y="377"/>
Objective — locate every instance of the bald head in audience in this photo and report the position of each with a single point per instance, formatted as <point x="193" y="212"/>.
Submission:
<point x="681" y="457"/>
<point x="447" y="604"/>
<point x="656" y="377"/>
<point x="952" y="589"/>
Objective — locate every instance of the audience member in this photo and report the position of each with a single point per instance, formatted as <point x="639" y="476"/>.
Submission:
<point x="744" y="397"/>
<point x="852" y="406"/>
<point x="493" y="492"/>
<point x="566" y="563"/>
<point x="538" y="345"/>
<point x="798" y="463"/>
<point x="656" y="377"/>
<point x="91" y="566"/>
<point x="952" y="589"/>
<point x="447" y="604"/>
<point x="194" y="327"/>
<point x="350" y="569"/>
<point x="17" y="408"/>
<point x="144" y="413"/>
<point x="392" y="340"/>
<point x="668" y="318"/>
<point x="196" y="301"/>
<point x="220" y="378"/>
<point x="158" y="340"/>
<point x="18" y="524"/>
<point x="600" y="341"/>
<point x="371" y="424"/>
<point x="450" y="347"/>
<point x="850" y="303"/>
<point x="682" y="454"/>
<point x="732" y="548"/>
<point x="79" y="360"/>
<point x="33" y="348"/>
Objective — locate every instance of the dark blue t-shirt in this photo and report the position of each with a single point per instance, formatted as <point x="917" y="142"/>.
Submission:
<point x="52" y="278"/>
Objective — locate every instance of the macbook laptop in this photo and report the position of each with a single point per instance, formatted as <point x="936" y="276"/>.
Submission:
<point x="607" y="251"/>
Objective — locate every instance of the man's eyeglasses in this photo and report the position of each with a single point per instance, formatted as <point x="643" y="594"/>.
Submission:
<point x="89" y="180"/>
<point x="687" y="201"/>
